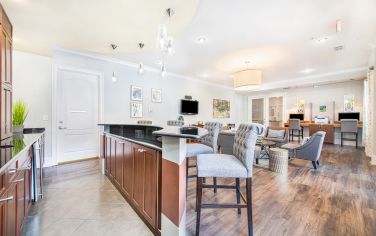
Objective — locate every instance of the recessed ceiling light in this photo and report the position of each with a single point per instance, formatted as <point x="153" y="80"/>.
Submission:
<point x="307" y="71"/>
<point x="320" y="40"/>
<point x="201" y="40"/>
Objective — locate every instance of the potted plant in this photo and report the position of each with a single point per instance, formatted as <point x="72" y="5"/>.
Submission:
<point x="19" y="115"/>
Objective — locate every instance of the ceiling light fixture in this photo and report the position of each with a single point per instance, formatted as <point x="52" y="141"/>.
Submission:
<point x="165" y="43"/>
<point x="141" y="70"/>
<point x="307" y="71"/>
<point x="114" y="79"/>
<point x="113" y="46"/>
<point x="201" y="40"/>
<point x="163" y="70"/>
<point x="247" y="80"/>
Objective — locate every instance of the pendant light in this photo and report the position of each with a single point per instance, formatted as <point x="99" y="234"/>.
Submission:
<point x="141" y="69"/>
<point x="114" y="79"/>
<point x="248" y="79"/>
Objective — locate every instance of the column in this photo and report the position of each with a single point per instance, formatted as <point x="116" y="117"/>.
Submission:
<point x="173" y="186"/>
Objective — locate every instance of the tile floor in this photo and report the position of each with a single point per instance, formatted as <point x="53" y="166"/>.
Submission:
<point x="81" y="202"/>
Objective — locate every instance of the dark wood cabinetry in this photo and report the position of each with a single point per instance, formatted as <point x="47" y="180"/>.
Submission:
<point x="134" y="170"/>
<point x="328" y="128"/>
<point x="6" y="76"/>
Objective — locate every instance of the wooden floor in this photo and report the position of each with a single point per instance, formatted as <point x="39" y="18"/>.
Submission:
<point x="337" y="199"/>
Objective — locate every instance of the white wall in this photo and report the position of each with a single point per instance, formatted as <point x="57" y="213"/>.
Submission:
<point x="322" y="95"/>
<point x="32" y="83"/>
<point x="117" y="95"/>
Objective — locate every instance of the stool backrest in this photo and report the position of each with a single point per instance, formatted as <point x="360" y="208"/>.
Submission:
<point x="294" y="123"/>
<point x="245" y="144"/>
<point x="213" y="132"/>
<point x="175" y="123"/>
<point x="349" y="125"/>
<point x="144" y="122"/>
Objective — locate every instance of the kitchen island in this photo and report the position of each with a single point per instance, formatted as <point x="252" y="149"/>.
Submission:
<point x="132" y="161"/>
<point x="152" y="185"/>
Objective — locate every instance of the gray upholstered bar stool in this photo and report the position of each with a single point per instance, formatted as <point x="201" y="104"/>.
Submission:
<point x="239" y="165"/>
<point x="175" y="123"/>
<point x="207" y="145"/>
<point x="144" y="122"/>
<point x="349" y="126"/>
<point x="294" y="126"/>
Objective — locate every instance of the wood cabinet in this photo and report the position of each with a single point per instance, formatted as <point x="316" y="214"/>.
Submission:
<point x="136" y="175"/>
<point x="15" y="196"/>
<point x="328" y="128"/>
<point x="6" y="76"/>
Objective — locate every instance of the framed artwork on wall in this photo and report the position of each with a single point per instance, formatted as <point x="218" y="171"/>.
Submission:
<point x="323" y="108"/>
<point x="221" y="108"/>
<point x="156" y="95"/>
<point x="348" y="103"/>
<point x="136" y="110"/>
<point x="136" y="93"/>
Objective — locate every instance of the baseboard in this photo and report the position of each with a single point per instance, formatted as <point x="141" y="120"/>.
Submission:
<point x="78" y="160"/>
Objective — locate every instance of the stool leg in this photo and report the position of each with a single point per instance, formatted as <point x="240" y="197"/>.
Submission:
<point x="341" y="139"/>
<point x="314" y="165"/>
<point x="249" y="205"/>
<point x="198" y="204"/>
<point x="215" y="184"/>
<point x="238" y="194"/>
<point x="186" y="178"/>
<point x="356" y="144"/>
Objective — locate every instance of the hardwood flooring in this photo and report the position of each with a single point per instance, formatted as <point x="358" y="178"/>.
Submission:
<point x="339" y="198"/>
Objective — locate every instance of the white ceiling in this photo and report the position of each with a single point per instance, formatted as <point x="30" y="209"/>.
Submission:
<point x="274" y="35"/>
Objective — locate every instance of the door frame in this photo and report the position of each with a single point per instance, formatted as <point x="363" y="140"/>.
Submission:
<point x="55" y="70"/>
<point x="266" y="106"/>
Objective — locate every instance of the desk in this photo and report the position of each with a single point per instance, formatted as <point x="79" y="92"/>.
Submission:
<point x="330" y="129"/>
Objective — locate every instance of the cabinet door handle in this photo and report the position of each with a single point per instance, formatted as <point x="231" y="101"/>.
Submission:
<point x="18" y="180"/>
<point x="12" y="171"/>
<point x="6" y="199"/>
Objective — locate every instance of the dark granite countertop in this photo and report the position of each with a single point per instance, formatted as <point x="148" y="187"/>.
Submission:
<point x="12" y="148"/>
<point x="182" y="132"/>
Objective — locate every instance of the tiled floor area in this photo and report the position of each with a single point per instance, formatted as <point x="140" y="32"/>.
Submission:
<point x="79" y="201"/>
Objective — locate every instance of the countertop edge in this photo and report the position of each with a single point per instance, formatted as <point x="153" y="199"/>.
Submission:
<point x="22" y="152"/>
<point x="135" y="141"/>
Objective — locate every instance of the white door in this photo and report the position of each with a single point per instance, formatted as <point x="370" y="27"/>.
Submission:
<point x="77" y="115"/>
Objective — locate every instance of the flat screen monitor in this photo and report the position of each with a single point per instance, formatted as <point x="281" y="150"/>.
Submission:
<point x="297" y="116"/>
<point x="189" y="107"/>
<point x="348" y="115"/>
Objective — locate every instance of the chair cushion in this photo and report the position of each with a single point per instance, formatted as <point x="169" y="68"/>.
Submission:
<point x="220" y="165"/>
<point x="194" y="149"/>
<point x="279" y="134"/>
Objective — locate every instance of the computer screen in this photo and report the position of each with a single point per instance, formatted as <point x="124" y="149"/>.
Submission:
<point x="348" y="115"/>
<point x="297" y="116"/>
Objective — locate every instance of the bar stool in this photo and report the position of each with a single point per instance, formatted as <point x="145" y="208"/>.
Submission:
<point x="207" y="145"/>
<point x="144" y="122"/>
<point x="349" y="126"/>
<point x="175" y="123"/>
<point x="236" y="166"/>
<point x="294" y="125"/>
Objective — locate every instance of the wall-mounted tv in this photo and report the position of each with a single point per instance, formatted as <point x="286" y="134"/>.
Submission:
<point x="189" y="107"/>
<point x="348" y="115"/>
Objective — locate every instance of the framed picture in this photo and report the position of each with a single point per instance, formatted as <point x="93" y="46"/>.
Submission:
<point x="136" y="93"/>
<point x="156" y="95"/>
<point x="136" y="110"/>
<point x="323" y="108"/>
<point x="348" y="103"/>
<point x="221" y="108"/>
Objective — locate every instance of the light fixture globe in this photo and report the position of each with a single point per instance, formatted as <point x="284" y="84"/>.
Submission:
<point x="247" y="80"/>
